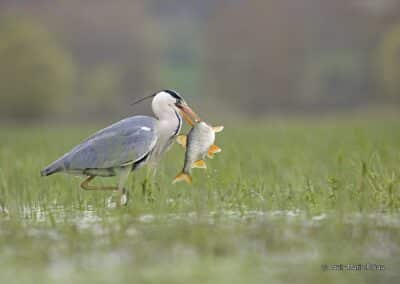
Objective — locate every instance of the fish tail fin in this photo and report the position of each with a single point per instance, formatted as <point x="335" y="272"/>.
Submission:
<point x="183" y="177"/>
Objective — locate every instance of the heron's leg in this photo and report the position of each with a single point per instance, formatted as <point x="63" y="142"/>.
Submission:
<point x="123" y="193"/>
<point x="151" y="174"/>
<point x="86" y="186"/>
<point x="148" y="183"/>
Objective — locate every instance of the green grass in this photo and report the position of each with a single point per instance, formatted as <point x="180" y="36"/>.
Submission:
<point x="282" y="199"/>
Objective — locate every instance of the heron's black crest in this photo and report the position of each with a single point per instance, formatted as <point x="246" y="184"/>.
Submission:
<point x="170" y="92"/>
<point x="174" y="94"/>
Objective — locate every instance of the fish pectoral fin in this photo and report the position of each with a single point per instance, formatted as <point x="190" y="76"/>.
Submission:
<point x="199" y="164"/>
<point x="218" y="128"/>
<point x="210" y="155"/>
<point x="214" y="149"/>
<point x="181" y="140"/>
<point x="182" y="177"/>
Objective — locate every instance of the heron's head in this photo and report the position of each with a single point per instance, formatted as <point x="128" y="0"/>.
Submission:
<point x="167" y="101"/>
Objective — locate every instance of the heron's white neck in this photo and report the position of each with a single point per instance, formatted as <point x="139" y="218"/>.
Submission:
<point x="169" y="123"/>
<point x="168" y="126"/>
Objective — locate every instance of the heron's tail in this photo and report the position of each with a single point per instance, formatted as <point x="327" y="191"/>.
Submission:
<point x="51" y="169"/>
<point x="183" y="176"/>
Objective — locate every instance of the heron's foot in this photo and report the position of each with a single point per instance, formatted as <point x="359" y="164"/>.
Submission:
<point x="119" y="199"/>
<point x="124" y="197"/>
<point x="85" y="185"/>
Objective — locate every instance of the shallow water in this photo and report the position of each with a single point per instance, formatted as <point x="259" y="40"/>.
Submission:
<point x="86" y="218"/>
<point x="59" y="241"/>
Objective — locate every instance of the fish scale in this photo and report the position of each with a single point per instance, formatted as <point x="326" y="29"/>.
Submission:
<point x="200" y="143"/>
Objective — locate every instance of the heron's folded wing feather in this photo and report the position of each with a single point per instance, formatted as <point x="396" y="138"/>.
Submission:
<point x="119" y="144"/>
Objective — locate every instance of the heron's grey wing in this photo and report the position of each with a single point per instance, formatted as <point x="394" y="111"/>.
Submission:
<point x="119" y="144"/>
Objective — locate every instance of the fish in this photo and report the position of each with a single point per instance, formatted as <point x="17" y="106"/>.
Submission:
<point x="199" y="143"/>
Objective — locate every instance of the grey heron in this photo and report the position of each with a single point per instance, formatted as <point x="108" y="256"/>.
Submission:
<point x="128" y="144"/>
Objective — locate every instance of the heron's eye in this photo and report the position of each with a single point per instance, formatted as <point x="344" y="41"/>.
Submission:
<point x="179" y="103"/>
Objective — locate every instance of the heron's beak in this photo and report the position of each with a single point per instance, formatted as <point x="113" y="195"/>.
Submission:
<point x="188" y="114"/>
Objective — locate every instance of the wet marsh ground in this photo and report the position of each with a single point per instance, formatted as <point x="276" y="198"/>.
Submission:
<point x="283" y="199"/>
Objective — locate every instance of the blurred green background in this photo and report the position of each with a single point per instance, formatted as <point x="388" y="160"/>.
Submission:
<point x="74" y="61"/>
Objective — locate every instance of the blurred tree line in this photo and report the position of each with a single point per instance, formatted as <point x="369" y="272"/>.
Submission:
<point x="34" y="69"/>
<point x="305" y="55"/>
<point x="73" y="60"/>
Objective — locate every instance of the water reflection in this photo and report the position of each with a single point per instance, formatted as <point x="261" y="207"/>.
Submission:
<point x="88" y="217"/>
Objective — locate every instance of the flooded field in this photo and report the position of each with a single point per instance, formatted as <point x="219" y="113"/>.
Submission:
<point x="295" y="207"/>
<point x="62" y="245"/>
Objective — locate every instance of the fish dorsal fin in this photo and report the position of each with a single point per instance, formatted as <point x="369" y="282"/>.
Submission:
<point x="181" y="140"/>
<point x="199" y="164"/>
